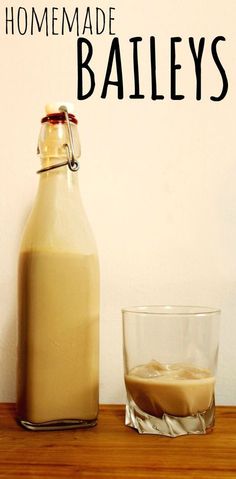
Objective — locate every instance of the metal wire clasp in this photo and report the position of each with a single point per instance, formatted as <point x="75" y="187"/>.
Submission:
<point x="72" y="163"/>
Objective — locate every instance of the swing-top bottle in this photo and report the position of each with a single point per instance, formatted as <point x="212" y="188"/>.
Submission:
<point x="58" y="291"/>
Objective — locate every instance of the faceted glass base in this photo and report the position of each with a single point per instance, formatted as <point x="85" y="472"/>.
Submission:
<point x="167" y="425"/>
<point x="57" y="425"/>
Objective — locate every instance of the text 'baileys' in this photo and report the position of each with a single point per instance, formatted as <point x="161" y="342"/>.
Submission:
<point x="87" y="84"/>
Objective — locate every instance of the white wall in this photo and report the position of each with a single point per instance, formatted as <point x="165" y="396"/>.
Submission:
<point x="157" y="178"/>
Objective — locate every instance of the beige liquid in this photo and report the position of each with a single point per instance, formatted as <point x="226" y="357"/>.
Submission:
<point x="178" y="389"/>
<point x="58" y="336"/>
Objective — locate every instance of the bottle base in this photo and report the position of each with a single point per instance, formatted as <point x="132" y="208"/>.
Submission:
<point x="58" y="425"/>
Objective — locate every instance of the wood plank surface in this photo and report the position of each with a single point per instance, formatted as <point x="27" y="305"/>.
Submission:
<point x="111" y="450"/>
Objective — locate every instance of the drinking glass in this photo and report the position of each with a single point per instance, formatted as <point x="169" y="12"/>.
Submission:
<point x="170" y="359"/>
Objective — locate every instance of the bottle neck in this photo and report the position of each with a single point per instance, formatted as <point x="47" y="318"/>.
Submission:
<point x="59" y="142"/>
<point x="59" y="181"/>
<point x="55" y="143"/>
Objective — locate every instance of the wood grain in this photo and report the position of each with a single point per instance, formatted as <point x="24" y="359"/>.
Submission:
<point x="111" y="450"/>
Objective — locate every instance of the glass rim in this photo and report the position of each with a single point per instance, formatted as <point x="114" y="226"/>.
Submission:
<point x="171" y="310"/>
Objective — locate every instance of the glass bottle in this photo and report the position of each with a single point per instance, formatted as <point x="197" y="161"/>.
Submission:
<point x="58" y="292"/>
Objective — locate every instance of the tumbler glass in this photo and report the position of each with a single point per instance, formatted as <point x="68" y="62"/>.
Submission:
<point x="170" y="359"/>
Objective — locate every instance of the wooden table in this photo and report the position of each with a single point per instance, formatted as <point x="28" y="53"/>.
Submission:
<point x="111" y="450"/>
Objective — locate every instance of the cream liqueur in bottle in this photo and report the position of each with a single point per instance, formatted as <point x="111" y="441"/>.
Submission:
<point x="58" y="291"/>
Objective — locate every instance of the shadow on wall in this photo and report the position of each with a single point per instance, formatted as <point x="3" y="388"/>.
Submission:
<point x="8" y="358"/>
<point x="8" y="337"/>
